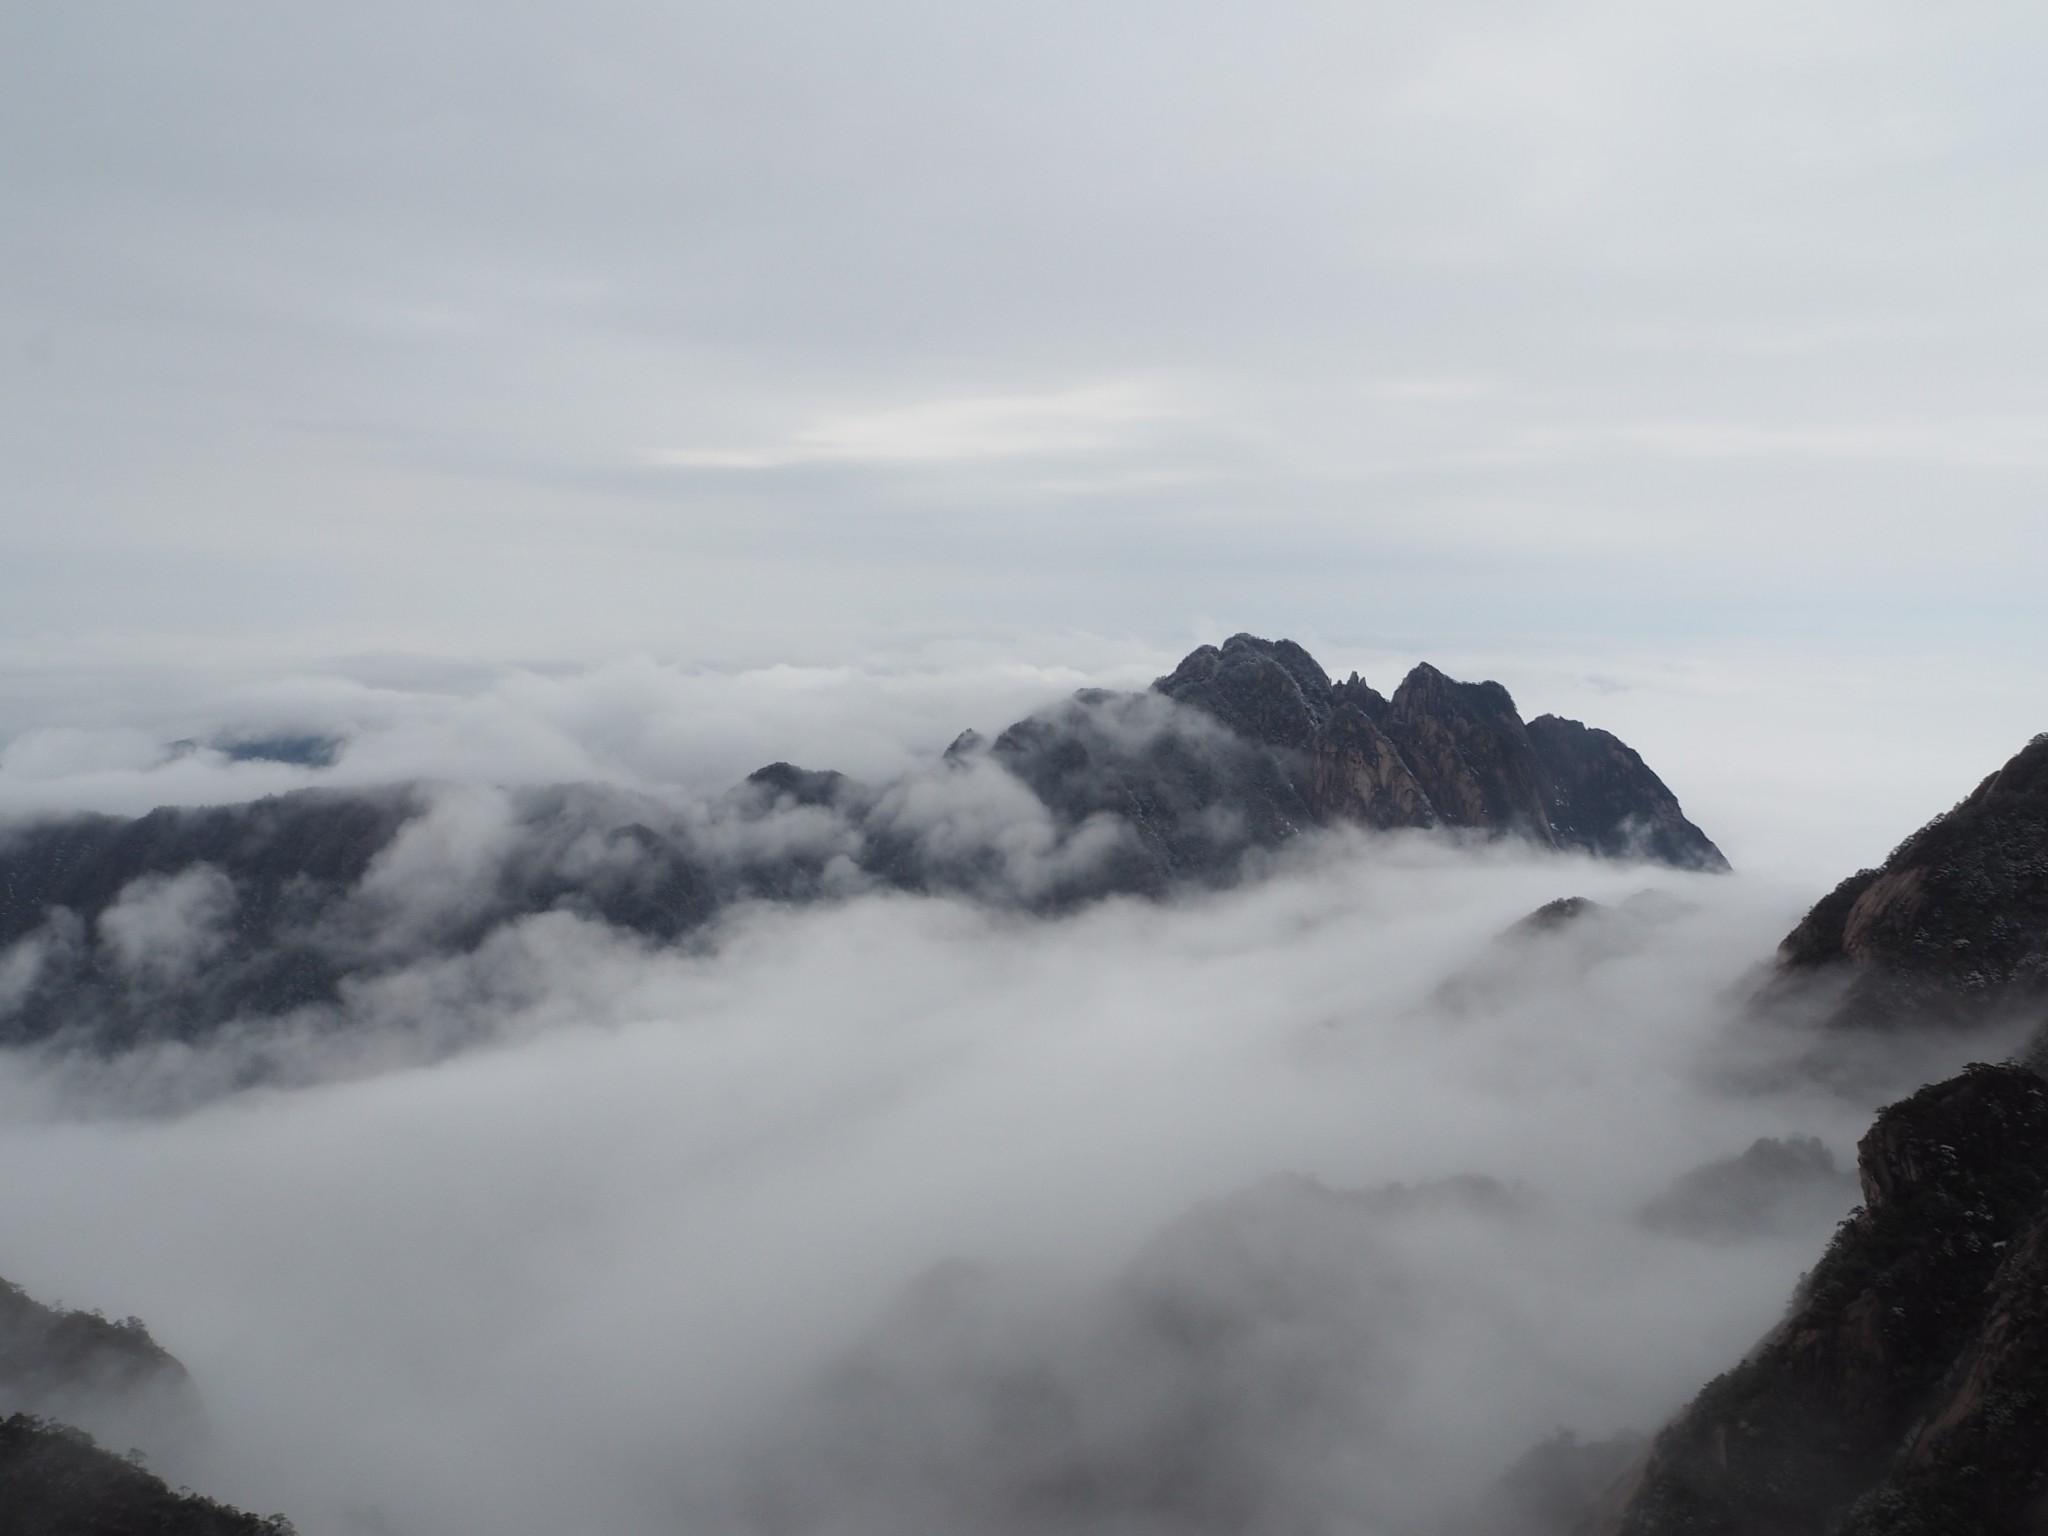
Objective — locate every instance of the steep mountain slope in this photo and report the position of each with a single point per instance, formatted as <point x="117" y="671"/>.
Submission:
<point x="55" y="1481"/>
<point x="115" y="933"/>
<point x="1907" y="1389"/>
<point x="55" y="1362"/>
<point x="1952" y="928"/>
<point x="1439" y="753"/>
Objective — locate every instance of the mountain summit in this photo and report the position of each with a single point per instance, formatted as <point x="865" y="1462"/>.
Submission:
<point x="1439" y="753"/>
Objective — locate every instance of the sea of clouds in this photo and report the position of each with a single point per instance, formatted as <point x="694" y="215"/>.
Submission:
<point x="1308" y="1205"/>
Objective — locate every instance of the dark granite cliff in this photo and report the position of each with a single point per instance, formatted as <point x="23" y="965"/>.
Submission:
<point x="1439" y="753"/>
<point x="1906" y="1392"/>
<point x="117" y="932"/>
<point x="1952" y="928"/>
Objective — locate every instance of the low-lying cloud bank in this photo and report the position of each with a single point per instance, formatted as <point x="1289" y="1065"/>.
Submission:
<point x="1784" y="757"/>
<point x="1308" y="1205"/>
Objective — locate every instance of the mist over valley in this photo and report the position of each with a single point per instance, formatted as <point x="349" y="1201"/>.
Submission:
<point x="1126" y="1149"/>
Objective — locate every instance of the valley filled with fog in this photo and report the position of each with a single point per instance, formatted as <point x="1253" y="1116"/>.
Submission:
<point x="1310" y="1204"/>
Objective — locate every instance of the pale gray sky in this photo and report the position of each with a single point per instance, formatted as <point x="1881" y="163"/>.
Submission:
<point x="743" y="330"/>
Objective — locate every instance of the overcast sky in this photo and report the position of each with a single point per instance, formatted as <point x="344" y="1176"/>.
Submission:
<point x="740" y="330"/>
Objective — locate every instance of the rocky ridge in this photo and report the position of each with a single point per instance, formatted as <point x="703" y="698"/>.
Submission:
<point x="118" y="932"/>
<point x="1439" y="753"/>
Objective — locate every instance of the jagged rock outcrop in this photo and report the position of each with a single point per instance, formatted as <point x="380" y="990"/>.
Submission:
<point x="1906" y="1392"/>
<point x="1356" y="774"/>
<point x="1269" y="690"/>
<point x="1438" y="753"/>
<point x="1952" y="928"/>
<point x="1470" y="752"/>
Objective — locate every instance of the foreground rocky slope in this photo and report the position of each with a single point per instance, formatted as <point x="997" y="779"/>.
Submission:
<point x="1952" y="928"/>
<point x="1907" y="1389"/>
<point x="117" y="932"/>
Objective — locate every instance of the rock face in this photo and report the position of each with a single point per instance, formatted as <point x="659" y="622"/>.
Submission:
<point x="1471" y="754"/>
<point x="1953" y="927"/>
<point x="1439" y="753"/>
<point x="1605" y="799"/>
<point x="116" y="933"/>
<point x="1906" y="1393"/>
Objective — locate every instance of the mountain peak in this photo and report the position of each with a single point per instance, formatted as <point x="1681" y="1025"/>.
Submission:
<point x="1441" y="753"/>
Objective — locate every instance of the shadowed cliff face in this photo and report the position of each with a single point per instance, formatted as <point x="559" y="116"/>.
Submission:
<point x="1952" y="928"/>
<point x="1907" y="1390"/>
<point x="1439" y="753"/>
<point x="1356" y="774"/>
<point x="1471" y="753"/>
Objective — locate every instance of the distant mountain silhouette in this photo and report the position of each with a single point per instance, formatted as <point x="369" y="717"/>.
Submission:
<point x="1439" y="753"/>
<point x="116" y="932"/>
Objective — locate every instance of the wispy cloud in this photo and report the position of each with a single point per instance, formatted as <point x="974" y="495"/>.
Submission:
<point x="1086" y="419"/>
<point x="1983" y="443"/>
